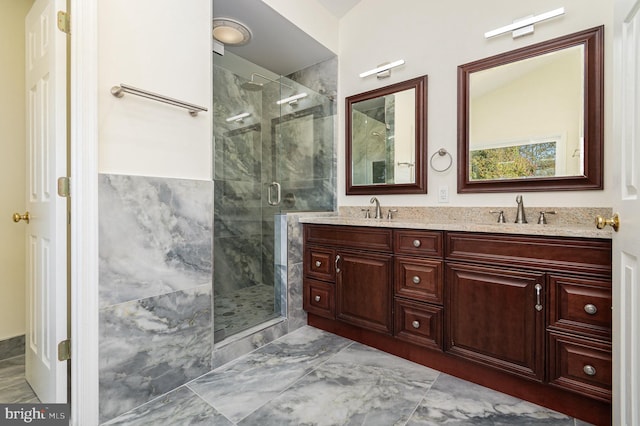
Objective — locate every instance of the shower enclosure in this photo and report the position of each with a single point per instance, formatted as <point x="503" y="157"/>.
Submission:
<point x="270" y="157"/>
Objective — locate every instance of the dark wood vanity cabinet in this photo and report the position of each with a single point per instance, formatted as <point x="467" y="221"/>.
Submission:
<point x="547" y="302"/>
<point x="353" y="266"/>
<point x="418" y="287"/>
<point x="492" y="317"/>
<point x="528" y="315"/>
<point x="363" y="289"/>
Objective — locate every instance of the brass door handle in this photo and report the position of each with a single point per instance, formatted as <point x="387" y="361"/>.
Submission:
<point x="601" y="222"/>
<point x="17" y="217"/>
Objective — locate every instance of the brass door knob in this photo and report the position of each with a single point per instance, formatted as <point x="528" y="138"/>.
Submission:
<point x="601" y="222"/>
<point x="17" y="217"/>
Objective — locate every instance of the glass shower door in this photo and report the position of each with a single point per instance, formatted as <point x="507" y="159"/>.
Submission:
<point x="276" y="159"/>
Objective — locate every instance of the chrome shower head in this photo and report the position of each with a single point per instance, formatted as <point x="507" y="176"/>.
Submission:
<point x="254" y="86"/>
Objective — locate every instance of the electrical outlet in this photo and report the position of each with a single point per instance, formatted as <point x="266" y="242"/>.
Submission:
<point x="443" y="194"/>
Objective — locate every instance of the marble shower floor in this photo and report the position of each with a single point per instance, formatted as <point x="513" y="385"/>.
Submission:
<point x="242" y="309"/>
<point x="311" y="377"/>
<point x="14" y="388"/>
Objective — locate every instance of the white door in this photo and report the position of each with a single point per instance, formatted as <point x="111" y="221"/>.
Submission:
<point x="626" y="242"/>
<point x="46" y="232"/>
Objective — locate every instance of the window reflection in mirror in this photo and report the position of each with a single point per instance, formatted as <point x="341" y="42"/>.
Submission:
<point x="532" y="119"/>
<point x="386" y="139"/>
<point x="525" y="118"/>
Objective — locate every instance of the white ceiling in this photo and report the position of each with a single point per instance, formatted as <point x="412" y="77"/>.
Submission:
<point x="276" y="43"/>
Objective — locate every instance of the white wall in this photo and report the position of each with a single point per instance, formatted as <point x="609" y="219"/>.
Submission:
<point x="163" y="46"/>
<point x="12" y="168"/>
<point x="312" y="18"/>
<point x="434" y="38"/>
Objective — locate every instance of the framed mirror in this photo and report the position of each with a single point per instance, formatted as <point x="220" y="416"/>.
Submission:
<point x="386" y="139"/>
<point x="533" y="119"/>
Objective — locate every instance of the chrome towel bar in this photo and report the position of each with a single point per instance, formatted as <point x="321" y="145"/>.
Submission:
<point x="119" y="91"/>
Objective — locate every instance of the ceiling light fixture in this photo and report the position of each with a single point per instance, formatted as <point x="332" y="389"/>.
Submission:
<point x="524" y="25"/>
<point x="383" y="70"/>
<point x="231" y="32"/>
<point x="292" y="100"/>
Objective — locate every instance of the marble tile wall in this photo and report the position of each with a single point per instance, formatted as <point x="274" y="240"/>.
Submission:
<point x="155" y="287"/>
<point x="293" y="145"/>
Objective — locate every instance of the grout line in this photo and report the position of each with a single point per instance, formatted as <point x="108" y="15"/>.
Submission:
<point x="300" y="378"/>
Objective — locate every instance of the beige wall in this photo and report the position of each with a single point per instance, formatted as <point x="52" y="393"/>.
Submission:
<point x="434" y="38"/>
<point x="12" y="167"/>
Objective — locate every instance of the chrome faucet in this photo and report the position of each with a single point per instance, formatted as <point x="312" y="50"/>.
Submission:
<point x="520" y="216"/>
<point x="378" y="214"/>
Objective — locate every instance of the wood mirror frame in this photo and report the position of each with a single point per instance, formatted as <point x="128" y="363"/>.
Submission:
<point x="593" y="116"/>
<point x="419" y="186"/>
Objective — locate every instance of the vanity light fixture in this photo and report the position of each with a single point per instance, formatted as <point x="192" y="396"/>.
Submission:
<point x="239" y="118"/>
<point x="231" y="32"/>
<point x="292" y="100"/>
<point x="383" y="70"/>
<point x="524" y="25"/>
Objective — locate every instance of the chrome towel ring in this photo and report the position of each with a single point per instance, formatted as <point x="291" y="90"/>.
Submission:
<point x="441" y="152"/>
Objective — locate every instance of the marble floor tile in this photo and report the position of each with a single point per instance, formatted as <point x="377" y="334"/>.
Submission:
<point x="238" y="389"/>
<point x="14" y="388"/>
<point x="358" y="386"/>
<point x="452" y="401"/>
<point x="180" y="407"/>
<point x="311" y="377"/>
<point x="12" y="347"/>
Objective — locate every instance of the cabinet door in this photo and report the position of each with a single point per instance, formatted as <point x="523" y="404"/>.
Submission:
<point x="318" y="298"/>
<point x="492" y="318"/>
<point x="363" y="287"/>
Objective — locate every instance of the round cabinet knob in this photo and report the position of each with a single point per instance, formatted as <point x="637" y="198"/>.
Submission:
<point x="318" y="264"/>
<point x="416" y="324"/>
<point x="589" y="370"/>
<point x="416" y="279"/>
<point x="417" y="243"/>
<point x="317" y="298"/>
<point x="590" y="309"/>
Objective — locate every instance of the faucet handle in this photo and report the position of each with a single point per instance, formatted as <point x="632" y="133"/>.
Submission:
<point x="542" y="220"/>
<point x="390" y="213"/>
<point x="500" y="215"/>
<point x="367" y="215"/>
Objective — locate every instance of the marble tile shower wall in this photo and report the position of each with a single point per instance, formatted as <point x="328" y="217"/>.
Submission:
<point x="237" y="172"/>
<point x="293" y="145"/>
<point x="155" y="287"/>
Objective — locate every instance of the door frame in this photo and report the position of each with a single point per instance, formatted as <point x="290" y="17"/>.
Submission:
<point x="84" y="211"/>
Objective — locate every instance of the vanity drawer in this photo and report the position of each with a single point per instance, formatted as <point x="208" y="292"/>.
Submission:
<point x="580" y="365"/>
<point x="319" y="298"/>
<point x="550" y="254"/>
<point x="359" y="237"/>
<point x="419" y="279"/>
<point x="580" y="305"/>
<point x="318" y="263"/>
<point x="419" y="323"/>
<point x="418" y="243"/>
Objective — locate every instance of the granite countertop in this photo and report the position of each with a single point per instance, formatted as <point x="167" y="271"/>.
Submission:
<point x="559" y="230"/>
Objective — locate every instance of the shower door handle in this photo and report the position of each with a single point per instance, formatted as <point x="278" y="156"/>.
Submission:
<point x="275" y="185"/>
